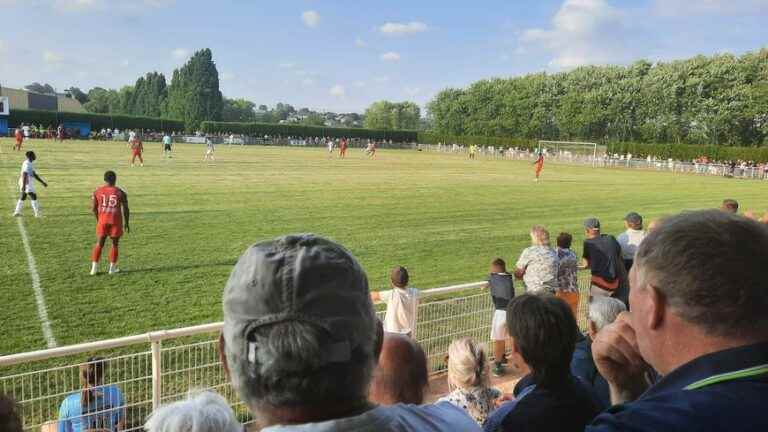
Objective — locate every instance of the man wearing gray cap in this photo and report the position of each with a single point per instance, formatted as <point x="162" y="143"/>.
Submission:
<point x="602" y="255"/>
<point x="630" y="239"/>
<point x="298" y="343"/>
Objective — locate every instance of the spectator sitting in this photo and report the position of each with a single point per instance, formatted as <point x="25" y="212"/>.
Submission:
<point x="298" y="343"/>
<point x="548" y="397"/>
<point x="96" y="406"/>
<point x="502" y="290"/>
<point x="602" y="311"/>
<point x="567" y="273"/>
<point x="401" y="375"/>
<point x="537" y="265"/>
<point x="10" y="420"/>
<point x="602" y="255"/>
<point x="730" y="205"/>
<point x="630" y="239"/>
<point x="699" y="296"/>
<point x="468" y="377"/>
<point x="204" y="411"/>
<point x="402" y="303"/>
<point x="750" y="214"/>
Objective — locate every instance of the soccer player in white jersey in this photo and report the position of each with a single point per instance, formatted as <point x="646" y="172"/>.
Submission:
<point x="329" y="144"/>
<point x="209" y="149"/>
<point x="27" y="185"/>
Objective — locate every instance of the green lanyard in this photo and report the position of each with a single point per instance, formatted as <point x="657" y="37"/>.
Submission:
<point x="729" y="376"/>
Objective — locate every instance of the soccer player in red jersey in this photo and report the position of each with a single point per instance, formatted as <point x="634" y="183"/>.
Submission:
<point x="343" y="148"/>
<point x="110" y="206"/>
<point x="539" y="165"/>
<point x="137" y="148"/>
<point x="19" y="139"/>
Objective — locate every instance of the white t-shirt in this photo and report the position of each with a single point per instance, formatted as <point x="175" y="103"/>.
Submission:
<point x="401" y="310"/>
<point x="629" y="241"/>
<point x="27" y="167"/>
<point x="25" y="129"/>
<point x="439" y="417"/>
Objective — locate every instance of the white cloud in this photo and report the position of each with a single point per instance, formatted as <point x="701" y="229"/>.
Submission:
<point x="360" y="43"/>
<point x="51" y="58"/>
<point x="180" y="54"/>
<point x="337" y="91"/>
<point x="399" y="29"/>
<point x="390" y="56"/>
<point x="227" y="76"/>
<point x="412" y="91"/>
<point x="583" y="32"/>
<point x="310" y="18"/>
<point x="686" y="8"/>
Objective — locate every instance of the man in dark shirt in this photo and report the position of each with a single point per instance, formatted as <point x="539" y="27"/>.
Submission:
<point x="699" y="296"/>
<point x="543" y="332"/>
<point x="602" y="255"/>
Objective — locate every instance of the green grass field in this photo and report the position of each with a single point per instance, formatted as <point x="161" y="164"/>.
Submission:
<point x="442" y="216"/>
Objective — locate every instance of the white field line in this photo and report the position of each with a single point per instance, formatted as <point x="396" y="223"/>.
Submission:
<point x="42" y="310"/>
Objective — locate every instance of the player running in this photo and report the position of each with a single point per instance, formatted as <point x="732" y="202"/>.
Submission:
<point x="343" y="148"/>
<point x="110" y="206"/>
<point x="539" y="165"/>
<point x="19" y="139"/>
<point x="209" y="149"/>
<point x="137" y="147"/>
<point x="167" y="141"/>
<point x="329" y="143"/>
<point x="371" y="149"/>
<point x="27" y="185"/>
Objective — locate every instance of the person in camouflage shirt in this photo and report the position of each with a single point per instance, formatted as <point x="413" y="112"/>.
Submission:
<point x="538" y="264"/>
<point x="567" y="273"/>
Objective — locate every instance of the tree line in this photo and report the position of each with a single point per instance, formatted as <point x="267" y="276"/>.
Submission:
<point x="717" y="100"/>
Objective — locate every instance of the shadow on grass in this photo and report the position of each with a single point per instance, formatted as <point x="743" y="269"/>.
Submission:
<point x="176" y="268"/>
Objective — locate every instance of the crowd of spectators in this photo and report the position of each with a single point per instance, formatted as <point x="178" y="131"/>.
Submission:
<point x="303" y="349"/>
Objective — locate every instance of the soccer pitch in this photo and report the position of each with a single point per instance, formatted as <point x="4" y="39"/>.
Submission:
<point x="442" y="216"/>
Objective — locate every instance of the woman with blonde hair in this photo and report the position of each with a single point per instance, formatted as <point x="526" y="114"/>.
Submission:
<point x="469" y="379"/>
<point x="538" y="263"/>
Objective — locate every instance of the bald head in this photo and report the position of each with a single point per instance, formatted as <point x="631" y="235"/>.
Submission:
<point x="401" y="376"/>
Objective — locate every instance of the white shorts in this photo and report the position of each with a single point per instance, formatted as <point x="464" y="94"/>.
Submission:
<point x="29" y="189"/>
<point x="499" y="329"/>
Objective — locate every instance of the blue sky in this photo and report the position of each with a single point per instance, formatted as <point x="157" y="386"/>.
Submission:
<point x="342" y="55"/>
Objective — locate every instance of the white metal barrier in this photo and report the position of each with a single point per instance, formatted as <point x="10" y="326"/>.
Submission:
<point x="159" y="367"/>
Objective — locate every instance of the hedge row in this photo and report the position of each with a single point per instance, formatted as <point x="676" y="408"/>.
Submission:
<point x="641" y="150"/>
<point x="274" y="129"/>
<point x="690" y="151"/>
<point x="97" y="121"/>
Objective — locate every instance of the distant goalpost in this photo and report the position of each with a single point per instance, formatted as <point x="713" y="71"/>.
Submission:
<point x="573" y="148"/>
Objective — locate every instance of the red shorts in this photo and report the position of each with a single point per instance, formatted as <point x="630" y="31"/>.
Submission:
<point x="137" y="152"/>
<point x="109" y="230"/>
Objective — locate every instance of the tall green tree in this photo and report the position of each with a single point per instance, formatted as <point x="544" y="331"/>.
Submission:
<point x="194" y="95"/>
<point x="238" y="110"/>
<point x="392" y="115"/>
<point x="150" y="93"/>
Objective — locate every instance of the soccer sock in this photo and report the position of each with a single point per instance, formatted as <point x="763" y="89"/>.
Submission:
<point x="96" y="254"/>
<point x="113" y="255"/>
<point x="35" y="207"/>
<point x="19" y="203"/>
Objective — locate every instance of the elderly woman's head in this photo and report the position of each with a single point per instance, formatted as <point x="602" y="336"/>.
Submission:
<point x="539" y="236"/>
<point x="201" y="412"/>
<point x="468" y="364"/>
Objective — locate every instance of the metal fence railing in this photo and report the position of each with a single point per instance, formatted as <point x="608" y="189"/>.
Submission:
<point x="160" y="367"/>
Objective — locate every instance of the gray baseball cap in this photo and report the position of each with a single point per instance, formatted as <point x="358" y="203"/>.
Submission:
<point x="592" y="223"/>
<point x="633" y="218"/>
<point x="298" y="278"/>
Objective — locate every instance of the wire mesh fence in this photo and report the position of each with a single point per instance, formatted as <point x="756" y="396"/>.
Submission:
<point x="157" y="368"/>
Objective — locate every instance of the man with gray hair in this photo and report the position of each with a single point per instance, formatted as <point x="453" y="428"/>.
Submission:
<point x="602" y="311"/>
<point x="299" y="338"/>
<point x="699" y="298"/>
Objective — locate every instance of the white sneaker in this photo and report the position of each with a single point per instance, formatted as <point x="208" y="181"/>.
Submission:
<point x="113" y="270"/>
<point x="94" y="269"/>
